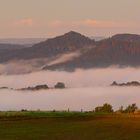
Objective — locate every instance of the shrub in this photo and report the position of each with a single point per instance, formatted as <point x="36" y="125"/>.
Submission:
<point x="131" y="108"/>
<point x="106" y="108"/>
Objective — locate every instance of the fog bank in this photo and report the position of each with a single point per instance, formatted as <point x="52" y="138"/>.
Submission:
<point x="75" y="98"/>
<point x="79" y="78"/>
<point x="85" y="90"/>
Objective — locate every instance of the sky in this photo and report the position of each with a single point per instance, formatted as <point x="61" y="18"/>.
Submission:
<point x="49" y="18"/>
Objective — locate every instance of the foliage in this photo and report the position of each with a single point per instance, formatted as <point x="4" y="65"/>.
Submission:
<point x="131" y="108"/>
<point x="107" y="108"/>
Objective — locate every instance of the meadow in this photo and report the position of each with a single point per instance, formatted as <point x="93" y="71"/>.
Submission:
<point x="38" y="125"/>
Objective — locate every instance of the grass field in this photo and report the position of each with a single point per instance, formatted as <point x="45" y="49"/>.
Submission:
<point x="68" y="126"/>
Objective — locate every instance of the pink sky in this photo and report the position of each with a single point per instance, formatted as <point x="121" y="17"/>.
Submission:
<point x="48" y="18"/>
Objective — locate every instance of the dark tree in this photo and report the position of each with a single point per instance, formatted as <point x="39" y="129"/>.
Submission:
<point x="131" y="108"/>
<point x="60" y="85"/>
<point x="106" y="108"/>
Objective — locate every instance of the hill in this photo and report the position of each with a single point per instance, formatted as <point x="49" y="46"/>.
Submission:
<point x="121" y="50"/>
<point x="79" y="51"/>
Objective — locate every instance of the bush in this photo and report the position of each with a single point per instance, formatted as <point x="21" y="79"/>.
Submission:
<point x="131" y="108"/>
<point x="106" y="108"/>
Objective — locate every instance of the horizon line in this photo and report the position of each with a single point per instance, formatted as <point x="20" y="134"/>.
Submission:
<point x="45" y="37"/>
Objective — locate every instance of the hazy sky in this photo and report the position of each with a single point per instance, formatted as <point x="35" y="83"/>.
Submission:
<point x="47" y="18"/>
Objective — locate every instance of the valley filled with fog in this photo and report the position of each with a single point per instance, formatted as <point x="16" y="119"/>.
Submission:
<point x="85" y="89"/>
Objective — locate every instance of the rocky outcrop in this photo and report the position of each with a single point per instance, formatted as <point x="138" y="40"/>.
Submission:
<point x="38" y="87"/>
<point x="133" y="83"/>
<point x="4" y="88"/>
<point x="60" y="85"/>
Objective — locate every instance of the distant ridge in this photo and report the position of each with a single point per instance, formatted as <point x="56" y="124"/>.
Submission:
<point x="10" y="46"/>
<point x="71" y="39"/>
<point x="21" y="41"/>
<point x="121" y="50"/>
<point x="51" y="47"/>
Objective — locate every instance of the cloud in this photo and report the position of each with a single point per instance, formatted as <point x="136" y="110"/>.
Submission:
<point x="56" y="23"/>
<point x="100" y="23"/>
<point x="85" y="89"/>
<point x="91" y="23"/>
<point x="64" y="58"/>
<point x="79" y="78"/>
<point x="29" y="27"/>
<point x="24" y="22"/>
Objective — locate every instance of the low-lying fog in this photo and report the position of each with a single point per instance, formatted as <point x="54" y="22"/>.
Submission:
<point x="85" y="90"/>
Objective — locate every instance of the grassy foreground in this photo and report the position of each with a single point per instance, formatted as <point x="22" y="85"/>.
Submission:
<point x="68" y="126"/>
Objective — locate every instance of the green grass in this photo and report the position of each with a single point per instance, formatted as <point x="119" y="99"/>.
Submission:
<point x="68" y="126"/>
<point x="43" y="114"/>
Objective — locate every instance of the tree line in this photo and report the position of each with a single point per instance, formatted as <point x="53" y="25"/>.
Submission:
<point x="107" y="108"/>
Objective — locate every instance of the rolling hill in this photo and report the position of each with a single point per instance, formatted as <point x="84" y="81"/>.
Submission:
<point x="121" y="50"/>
